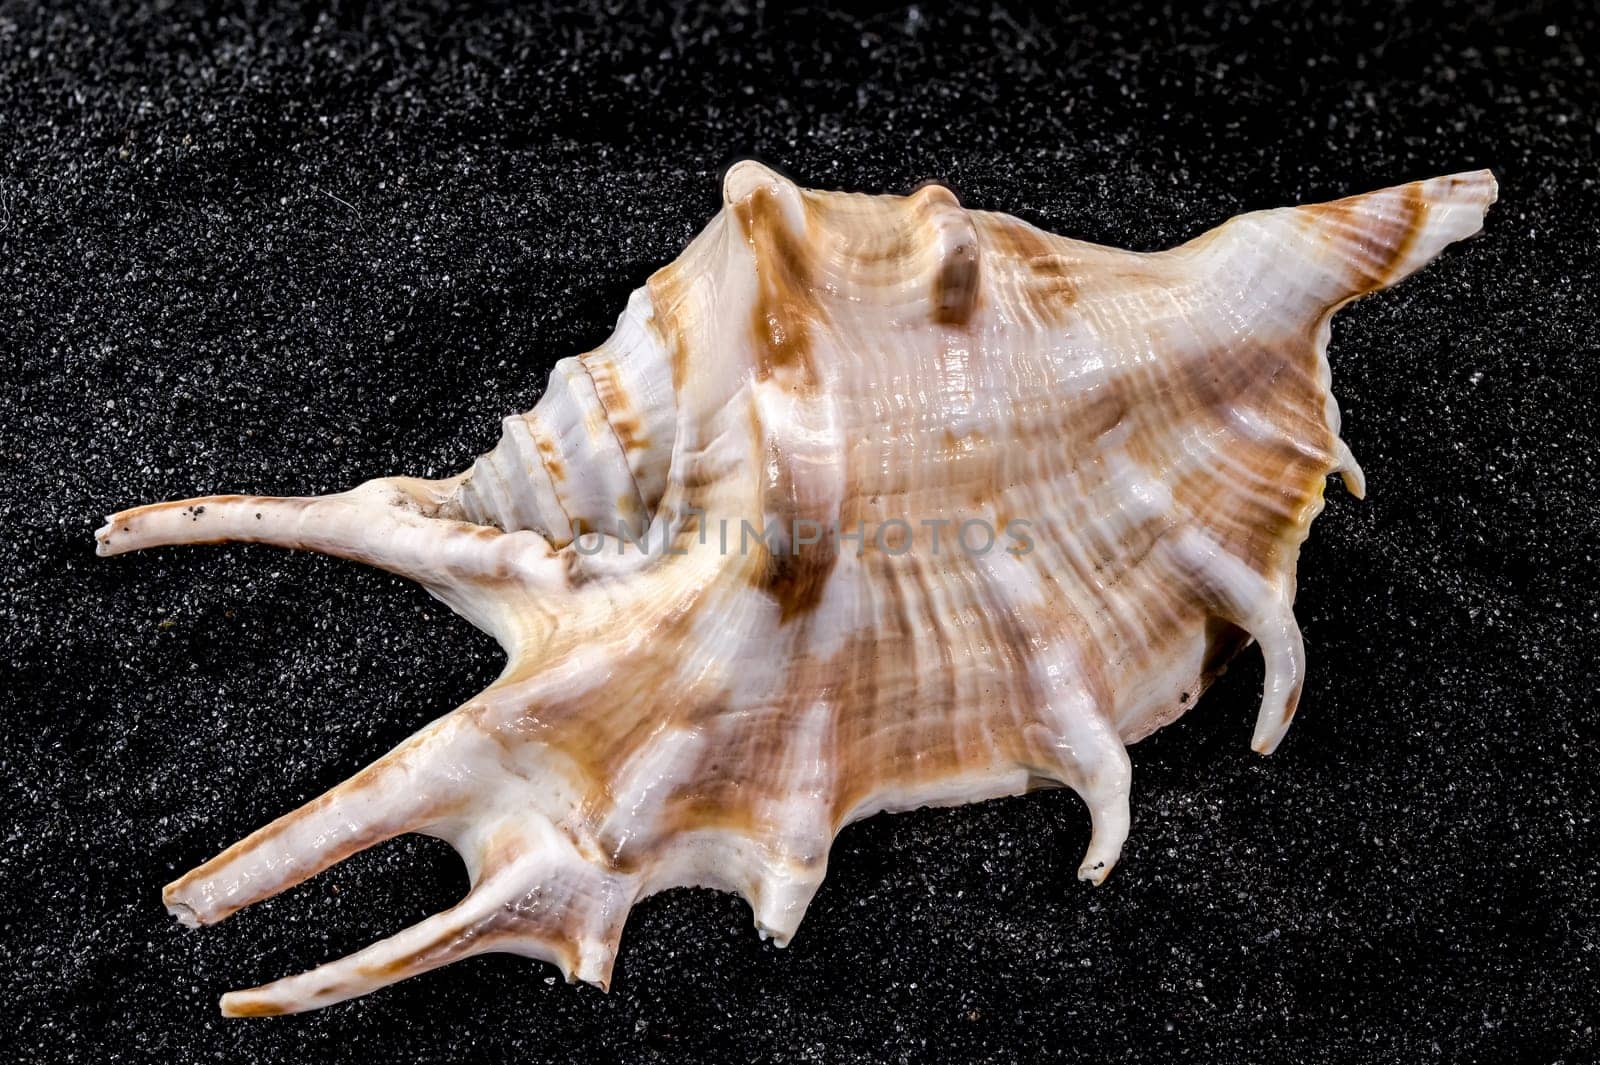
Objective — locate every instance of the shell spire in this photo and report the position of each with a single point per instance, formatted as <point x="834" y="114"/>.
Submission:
<point x="593" y="453"/>
<point x="936" y="507"/>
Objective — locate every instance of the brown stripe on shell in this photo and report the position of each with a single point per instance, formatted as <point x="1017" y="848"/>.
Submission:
<point x="1380" y="243"/>
<point x="955" y="286"/>
<point x="549" y="453"/>
<point x="798" y="575"/>
<point x="618" y="405"/>
<point x="795" y="574"/>
<point x="671" y="301"/>
<point x="786" y="308"/>
<point x="956" y="279"/>
<point x="257" y="1008"/>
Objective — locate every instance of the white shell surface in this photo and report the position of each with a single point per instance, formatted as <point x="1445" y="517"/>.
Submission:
<point x="869" y="502"/>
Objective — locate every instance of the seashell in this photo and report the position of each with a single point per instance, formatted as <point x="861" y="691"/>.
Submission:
<point x="869" y="503"/>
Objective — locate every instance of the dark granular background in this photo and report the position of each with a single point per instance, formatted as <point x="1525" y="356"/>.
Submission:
<point x="283" y="251"/>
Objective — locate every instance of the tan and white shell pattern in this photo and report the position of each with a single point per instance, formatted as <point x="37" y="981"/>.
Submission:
<point x="875" y="387"/>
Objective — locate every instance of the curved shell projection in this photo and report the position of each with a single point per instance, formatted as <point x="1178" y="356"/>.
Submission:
<point x="869" y="503"/>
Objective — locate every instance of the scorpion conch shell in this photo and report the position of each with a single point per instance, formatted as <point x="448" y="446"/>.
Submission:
<point x="869" y="503"/>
